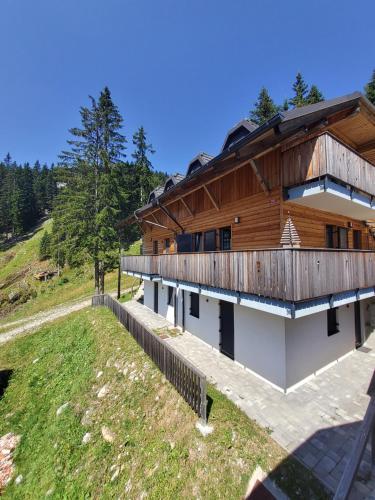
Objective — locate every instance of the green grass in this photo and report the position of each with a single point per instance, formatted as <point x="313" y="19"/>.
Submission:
<point x="23" y="254"/>
<point x="73" y="284"/>
<point x="156" y="450"/>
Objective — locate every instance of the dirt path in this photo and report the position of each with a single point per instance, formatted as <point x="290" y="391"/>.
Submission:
<point x="34" y="322"/>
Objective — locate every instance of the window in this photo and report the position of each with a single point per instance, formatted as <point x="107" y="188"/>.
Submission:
<point x="210" y="241"/>
<point x="184" y="242"/>
<point x="357" y="239"/>
<point x="170" y="295"/>
<point x="194" y="305"/>
<point x="197" y="242"/>
<point x="336" y="237"/>
<point x="225" y="238"/>
<point x="167" y="244"/>
<point x="155" y="247"/>
<point x="332" y="323"/>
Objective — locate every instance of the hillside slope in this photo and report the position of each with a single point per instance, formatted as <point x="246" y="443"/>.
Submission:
<point x="21" y="295"/>
<point x="98" y="420"/>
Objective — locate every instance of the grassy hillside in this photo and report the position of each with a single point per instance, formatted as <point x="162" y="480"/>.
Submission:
<point x="155" y="449"/>
<point x="20" y="262"/>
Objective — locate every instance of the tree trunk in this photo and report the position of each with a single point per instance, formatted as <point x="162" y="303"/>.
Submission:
<point x="119" y="272"/>
<point x="96" y="276"/>
<point x="101" y="277"/>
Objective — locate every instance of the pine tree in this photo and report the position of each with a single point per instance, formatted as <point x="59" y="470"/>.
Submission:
<point x="314" y="95"/>
<point x="88" y="208"/>
<point x="45" y="246"/>
<point x="142" y="164"/>
<point x="370" y="89"/>
<point x="300" y="92"/>
<point x="264" y="108"/>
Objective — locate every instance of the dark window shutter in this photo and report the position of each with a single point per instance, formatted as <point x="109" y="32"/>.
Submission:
<point x="210" y="241"/>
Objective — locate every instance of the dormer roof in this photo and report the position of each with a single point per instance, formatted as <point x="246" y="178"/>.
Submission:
<point x="238" y="132"/>
<point x="197" y="162"/>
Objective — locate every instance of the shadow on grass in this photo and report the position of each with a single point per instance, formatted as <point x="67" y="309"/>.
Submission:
<point x="11" y="242"/>
<point x="5" y="376"/>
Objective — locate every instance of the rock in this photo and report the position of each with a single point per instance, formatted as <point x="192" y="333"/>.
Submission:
<point x="86" y="438"/>
<point x="99" y="374"/>
<point x="8" y="443"/>
<point x="19" y="479"/>
<point x="35" y="361"/>
<point x="13" y="297"/>
<point x="108" y="435"/>
<point x="172" y="445"/>
<point x="62" y="409"/>
<point x="103" y="391"/>
<point x="204" y="428"/>
<point x="50" y="492"/>
<point x="87" y="417"/>
<point x="115" y="475"/>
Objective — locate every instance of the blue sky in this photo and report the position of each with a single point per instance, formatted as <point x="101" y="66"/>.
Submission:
<point x="187" y="70"/>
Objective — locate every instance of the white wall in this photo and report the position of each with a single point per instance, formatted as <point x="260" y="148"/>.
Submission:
<point x="207" y="326"/>
<point x="368" y="317"/>
<point x="148" y="297"/>
<point x="164" y="309"/>
<point x="259" y="343"/>
<point x="308" y="347"/>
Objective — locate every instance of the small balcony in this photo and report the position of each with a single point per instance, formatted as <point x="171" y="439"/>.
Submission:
<point x="324" y="174"/>
<point x="295" y="274"/>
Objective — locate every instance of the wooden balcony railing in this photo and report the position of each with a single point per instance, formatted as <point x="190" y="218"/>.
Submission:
<point x="325" y="155"/>
<point x="288" y="274"/>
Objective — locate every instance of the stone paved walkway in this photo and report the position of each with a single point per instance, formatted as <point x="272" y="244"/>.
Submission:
<point x="318" y="422"/>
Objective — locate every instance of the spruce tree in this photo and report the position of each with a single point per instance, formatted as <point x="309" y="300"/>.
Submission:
<point x="264" y="108"/>
<point x="370" y="89"/>
<point x="45" y="246"/>
<point x="300" y="92"/>
<point x="314" y="95"/>
<point x="142" y="165"/>
<point x="88" y="207"/>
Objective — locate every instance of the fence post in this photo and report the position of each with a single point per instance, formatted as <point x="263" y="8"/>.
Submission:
<point x="203" y="408"/>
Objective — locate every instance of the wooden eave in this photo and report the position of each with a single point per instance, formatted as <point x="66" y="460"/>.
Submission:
<point x="352" y="122"/>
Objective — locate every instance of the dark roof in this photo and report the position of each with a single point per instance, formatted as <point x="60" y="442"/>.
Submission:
<point x="172" y="181"/>
<point x="285" y="124"/>
<point x="197" y="162"/>
<point x="238" y="132"/>
<point x="155" y="193"/>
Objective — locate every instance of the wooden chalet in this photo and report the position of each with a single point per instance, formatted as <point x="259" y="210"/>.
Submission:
<point x="267" y="250"/>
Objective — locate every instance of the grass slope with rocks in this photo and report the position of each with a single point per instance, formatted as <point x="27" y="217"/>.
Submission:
<point x="98" y="420"/>
<point x="19" y="263"/>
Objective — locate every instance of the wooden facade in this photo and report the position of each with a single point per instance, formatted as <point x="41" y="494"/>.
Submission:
<point x="248" y="198"/>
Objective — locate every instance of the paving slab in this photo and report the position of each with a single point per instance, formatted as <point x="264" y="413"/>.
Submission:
<point x="317" y="422"/>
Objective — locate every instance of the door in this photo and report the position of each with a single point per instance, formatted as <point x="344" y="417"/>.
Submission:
<point x="156" y="297"/>
<point x="357" y="324"/>
<point x="227" y="329"/>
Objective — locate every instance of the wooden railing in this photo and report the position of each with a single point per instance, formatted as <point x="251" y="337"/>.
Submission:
<point x="186" y="378"/>
<point x="325" y="155"/>
<point x="366" y="433"/>
<point x="288" y="274"/>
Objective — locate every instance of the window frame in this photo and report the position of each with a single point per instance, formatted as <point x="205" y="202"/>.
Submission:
<point x="222" y="232"/>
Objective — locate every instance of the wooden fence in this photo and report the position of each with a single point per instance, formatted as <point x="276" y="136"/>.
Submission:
<point x="188" y="380"/>
<point x="366" y="433"/>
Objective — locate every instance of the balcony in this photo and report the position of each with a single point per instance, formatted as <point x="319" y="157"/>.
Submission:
<point x="324" y="174"/>
<point x="295" y="274"/>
